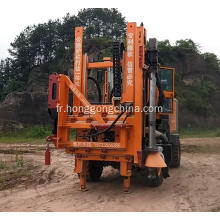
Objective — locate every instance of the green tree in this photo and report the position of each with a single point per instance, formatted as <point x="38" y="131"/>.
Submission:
<point x="188" y="46"/>
<point x="212" y="62"/>
<point x="102" y="22"/>
<point x="21" y="54"/>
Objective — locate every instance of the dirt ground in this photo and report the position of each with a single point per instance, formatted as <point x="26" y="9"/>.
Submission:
<point x="28" y="185"/>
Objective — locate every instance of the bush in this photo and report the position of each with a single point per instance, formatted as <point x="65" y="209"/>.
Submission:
<point x="197" y="97"/>
<point x="37" y="131"/>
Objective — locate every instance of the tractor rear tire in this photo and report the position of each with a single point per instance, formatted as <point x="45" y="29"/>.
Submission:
<point x="95" y="170"/>
<point x="175" y="151"/>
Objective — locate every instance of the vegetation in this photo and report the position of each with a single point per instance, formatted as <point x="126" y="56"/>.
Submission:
<point x="49" y="47"/>
<point x="197" y="75"/>
<point x="35" y="135"/>
<point x="199" y="133"/>
<point x="210" y="149"/>
<point x="14" y="170"/>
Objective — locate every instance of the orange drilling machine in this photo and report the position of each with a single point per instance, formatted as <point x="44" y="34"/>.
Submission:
<point x="134" y="123"/>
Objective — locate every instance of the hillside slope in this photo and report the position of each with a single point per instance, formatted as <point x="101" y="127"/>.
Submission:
<point x="49" y="47"/>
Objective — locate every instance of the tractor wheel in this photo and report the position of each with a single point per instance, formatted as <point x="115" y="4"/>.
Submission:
<point x="156" y="181"/>
<point x="95" y="170"/>
<point x="175" y="151"/>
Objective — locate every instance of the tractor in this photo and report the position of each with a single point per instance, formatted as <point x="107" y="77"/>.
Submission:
<point x="120" y="111"/>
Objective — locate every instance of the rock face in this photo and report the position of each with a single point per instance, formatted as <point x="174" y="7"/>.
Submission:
<point x="30" y="108"/>
<point x="189" y="120"/>
<point x="24" y="108"/>
<point x="27" y="108"/>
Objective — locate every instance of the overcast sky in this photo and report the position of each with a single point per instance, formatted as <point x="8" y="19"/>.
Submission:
<point x="164" y="19"/>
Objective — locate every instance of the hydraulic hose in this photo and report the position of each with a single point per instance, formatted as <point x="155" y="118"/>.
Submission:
<point x="107" y="129"/>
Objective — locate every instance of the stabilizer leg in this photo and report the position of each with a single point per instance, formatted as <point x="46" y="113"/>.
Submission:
<point x="83" y="175"/>
<point x="126" y="183"/>
<point x="125" y="170"/>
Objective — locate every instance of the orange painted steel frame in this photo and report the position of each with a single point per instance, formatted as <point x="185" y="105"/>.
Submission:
<point x="128" y="140"/>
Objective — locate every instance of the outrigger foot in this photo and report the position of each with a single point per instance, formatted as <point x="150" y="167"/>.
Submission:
<point x="126" y="184"/>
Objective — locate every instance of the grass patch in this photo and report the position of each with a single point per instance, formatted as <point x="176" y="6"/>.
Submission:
<point x="200" y="149"/>
<point x="198" y="132"/>
<point x="2" y="164"/>
<point x="31" y="135"/>
<point x="13" y="171"/>
<point x="34" y="135"/>
<point x="37" y="134"/>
